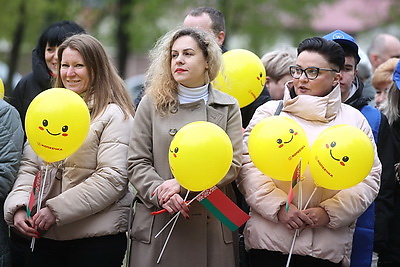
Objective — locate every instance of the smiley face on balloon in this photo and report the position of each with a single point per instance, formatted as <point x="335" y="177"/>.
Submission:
<point x="261" y="79"/>
<point x="342" y="161"/>
<point x="341" y="157"/>
<point x="242" y="75"/>
<point x="57" y="122"/>
<point x="281" y="142"/>
<point x="44" y="127"/>
<point x="276" y="145"/>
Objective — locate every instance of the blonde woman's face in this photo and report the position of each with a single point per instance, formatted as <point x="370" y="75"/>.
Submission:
<point x="188" y="64"/>
<point x="74" y="73"/>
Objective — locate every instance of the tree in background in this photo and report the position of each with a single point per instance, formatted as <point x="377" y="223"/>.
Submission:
<point x="132" y="26"/>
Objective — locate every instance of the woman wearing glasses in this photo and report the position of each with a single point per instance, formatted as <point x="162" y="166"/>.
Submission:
<point x="313" y="100"/>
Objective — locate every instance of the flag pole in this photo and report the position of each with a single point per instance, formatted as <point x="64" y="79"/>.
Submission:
<point x="39" y="202"/>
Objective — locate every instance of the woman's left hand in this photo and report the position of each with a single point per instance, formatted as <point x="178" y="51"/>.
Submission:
<point x="44" y="219"/>
<point x="318" y="215"/>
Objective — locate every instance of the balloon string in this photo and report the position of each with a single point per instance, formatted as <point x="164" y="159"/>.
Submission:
<point x="176" y="215"/>
<point x="309" y="199"/>
<point x="170" y="232"/>
<point x="39" y="202"/>
<point x="297" y="232"/>
<point x="291" y="248"/>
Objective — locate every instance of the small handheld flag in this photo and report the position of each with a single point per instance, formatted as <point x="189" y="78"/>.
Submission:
<point x="223" y="208"/>
<point x="34" y="193"/>
<point x="295" y="179"/>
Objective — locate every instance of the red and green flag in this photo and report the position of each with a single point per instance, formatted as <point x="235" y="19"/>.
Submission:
<point x="34" y="193"/>
<point x="223" y="208"/>
<point x="295" y="179"/>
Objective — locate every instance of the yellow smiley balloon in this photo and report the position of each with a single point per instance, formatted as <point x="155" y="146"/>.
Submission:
<point x="57" y="123"/>
<point x="242" y="75"/>
<point x="200" y="155"/>
<point x="276" y="145"/>
<point x="341" y="157"/>
<point x="1" y="89"/>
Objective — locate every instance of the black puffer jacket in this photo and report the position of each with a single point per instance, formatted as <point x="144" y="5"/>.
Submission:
<point x="31" y="85"/>
<point x="390" y="254"/>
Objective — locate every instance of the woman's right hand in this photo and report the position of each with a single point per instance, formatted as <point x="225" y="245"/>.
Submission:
<point x="24" y="224"/>
<point x="177" y="204"/>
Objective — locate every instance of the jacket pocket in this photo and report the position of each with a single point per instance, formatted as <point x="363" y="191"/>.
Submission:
<point x="142" y="224"/>
<point x="227" y="234"/>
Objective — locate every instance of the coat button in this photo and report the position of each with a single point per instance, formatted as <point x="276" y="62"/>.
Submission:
<point x="173" y="131"/>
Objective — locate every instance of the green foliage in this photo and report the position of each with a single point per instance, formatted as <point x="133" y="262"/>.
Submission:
<point x="38" y="14"/>
<point x="259" y="22"/>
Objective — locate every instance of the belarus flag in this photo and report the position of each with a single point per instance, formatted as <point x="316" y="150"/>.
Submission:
<point x="295" y="179"/>
<point x="223" y="208"/>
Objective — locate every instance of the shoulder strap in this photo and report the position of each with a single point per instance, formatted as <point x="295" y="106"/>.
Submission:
<point x="279" y="108"/>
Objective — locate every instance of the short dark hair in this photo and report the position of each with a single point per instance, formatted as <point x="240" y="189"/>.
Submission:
<point x="56" y="33"/>
<point x="330" y="50"/>
<point x="216" y="16"/>
<point x="349" y="52"/>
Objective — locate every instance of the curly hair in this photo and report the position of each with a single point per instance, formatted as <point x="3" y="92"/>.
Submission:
<point x="160" y="84"/>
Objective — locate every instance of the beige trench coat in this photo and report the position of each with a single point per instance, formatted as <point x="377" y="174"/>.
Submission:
<point x="201" y="240"/>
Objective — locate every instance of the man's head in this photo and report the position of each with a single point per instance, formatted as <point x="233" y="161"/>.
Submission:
<point x="383" y="47"/>
<point x="352" y="59"/>
<point x="209" y="19"/>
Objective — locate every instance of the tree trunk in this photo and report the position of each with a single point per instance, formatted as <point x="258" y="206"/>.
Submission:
<point x="124" y="12"/>
<point x="15" y="50"/>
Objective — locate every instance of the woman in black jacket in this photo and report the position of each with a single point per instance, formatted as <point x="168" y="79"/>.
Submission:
<point x="44" y="65"/>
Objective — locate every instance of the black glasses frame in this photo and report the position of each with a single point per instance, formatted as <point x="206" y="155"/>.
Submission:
<point x="294" y="69"/>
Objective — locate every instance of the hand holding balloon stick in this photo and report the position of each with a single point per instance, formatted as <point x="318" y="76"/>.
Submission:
<point x="57" y="123"/>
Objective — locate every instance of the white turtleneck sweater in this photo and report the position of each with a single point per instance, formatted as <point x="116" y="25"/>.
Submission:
<point x="189" y="95"/>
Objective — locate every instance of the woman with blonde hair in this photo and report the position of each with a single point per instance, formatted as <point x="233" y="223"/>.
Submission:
<point x="183" y="63"/>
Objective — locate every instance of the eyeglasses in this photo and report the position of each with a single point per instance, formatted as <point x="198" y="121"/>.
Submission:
<point x="311" y="72"/>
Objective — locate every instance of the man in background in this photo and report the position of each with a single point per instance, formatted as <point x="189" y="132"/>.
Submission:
<point x="382" y="47"/>
<point x="212" y="20"/>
